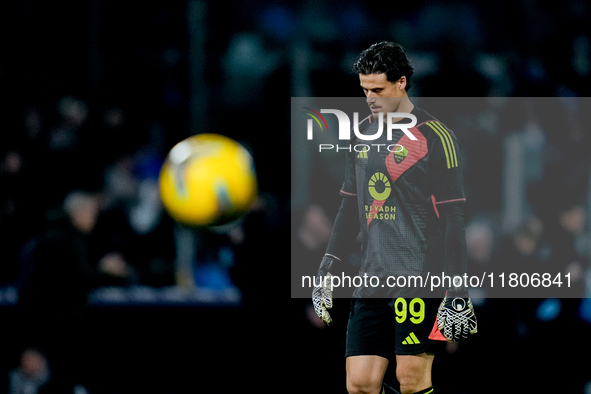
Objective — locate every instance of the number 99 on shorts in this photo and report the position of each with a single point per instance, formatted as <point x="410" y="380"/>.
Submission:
<point x="413" y="310"/>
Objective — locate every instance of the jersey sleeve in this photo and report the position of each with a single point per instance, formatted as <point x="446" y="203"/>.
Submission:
<point x="345" y="229"/>
<point x="349" y="188"/>
<point x="445" y="167"/>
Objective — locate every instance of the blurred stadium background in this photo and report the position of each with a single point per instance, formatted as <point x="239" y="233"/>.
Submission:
<point x="97" y="92"/>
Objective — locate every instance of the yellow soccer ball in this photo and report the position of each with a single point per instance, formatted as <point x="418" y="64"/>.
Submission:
<point x="207" y="180"/>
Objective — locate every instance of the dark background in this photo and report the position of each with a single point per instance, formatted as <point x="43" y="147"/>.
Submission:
<point x="174" y="69"/>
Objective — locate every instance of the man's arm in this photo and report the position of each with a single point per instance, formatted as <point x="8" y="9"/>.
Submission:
<point x="344" y="232"/>
<point x="345" y="229"/>
<point x="456" y="318"/>
<point x="455" y="259"/>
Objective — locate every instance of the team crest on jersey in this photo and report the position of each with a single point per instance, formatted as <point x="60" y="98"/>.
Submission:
<point x="400" y="154"/>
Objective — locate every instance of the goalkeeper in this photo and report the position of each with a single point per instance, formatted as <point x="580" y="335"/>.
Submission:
<point x="420" y="184"/>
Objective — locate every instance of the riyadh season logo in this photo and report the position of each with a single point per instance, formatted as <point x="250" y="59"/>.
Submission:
<point x="344" y="132"/>
<point x="379" y="186"/>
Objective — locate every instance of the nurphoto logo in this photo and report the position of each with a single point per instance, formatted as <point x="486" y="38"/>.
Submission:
<point x="345" y="129"/>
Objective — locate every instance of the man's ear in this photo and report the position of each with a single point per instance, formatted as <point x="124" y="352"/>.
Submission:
<point x="402" y="82"/>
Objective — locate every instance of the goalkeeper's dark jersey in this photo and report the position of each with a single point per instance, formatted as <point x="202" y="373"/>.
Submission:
<point x="399" y="184"/>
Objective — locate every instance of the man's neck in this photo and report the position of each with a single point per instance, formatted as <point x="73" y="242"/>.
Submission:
<point x="405" y="105"/>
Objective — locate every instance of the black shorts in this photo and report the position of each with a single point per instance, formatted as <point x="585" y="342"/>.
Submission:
<point x="390" y="327"/>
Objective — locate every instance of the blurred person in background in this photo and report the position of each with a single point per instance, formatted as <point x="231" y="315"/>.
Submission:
<point x="33" y="375"/>
<point x="521" y="251"/>
<point x="567" y="243"/>
<point x="68" y="156"/>
<point x="480" y="245"/>
<point x="55" y="271"/>
<point x="21" y="180"/>
<point x="55" y="278"/>
<point x="309" y="240"/>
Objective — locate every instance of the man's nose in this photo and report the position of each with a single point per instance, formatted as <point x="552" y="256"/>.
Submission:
<point x="370" y="98"/>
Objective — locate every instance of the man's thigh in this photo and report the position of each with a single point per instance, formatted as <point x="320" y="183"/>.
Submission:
<point x="413" y="372"/>
<point x="365" y="373"/>
<point x="371" y="329"/>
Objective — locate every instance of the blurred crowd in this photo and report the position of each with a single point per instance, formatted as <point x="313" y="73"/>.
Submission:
<point x="82" y="198"/>
<point x="79" y="207"/>
<point x="80" y="211"/>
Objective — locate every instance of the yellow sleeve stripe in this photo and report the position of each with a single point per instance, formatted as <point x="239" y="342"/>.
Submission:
<point x="450" y="141"/>
<point x="447" y="142"/>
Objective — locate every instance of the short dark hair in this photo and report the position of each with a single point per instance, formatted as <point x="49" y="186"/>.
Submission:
<point x="385" y="58"/>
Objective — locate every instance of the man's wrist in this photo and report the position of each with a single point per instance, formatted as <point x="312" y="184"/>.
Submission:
<point x="330" y="263"/>
<point x="332" y="256"/>
<point x="457" y="288"/>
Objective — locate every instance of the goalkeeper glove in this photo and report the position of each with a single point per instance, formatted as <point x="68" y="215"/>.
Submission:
<point x="322" y="294"/>
<point x="456" y="318"/>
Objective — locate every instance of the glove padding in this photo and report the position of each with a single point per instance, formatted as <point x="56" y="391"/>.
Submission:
<point x="456" y="318"/>
<point x="322" y="295"/>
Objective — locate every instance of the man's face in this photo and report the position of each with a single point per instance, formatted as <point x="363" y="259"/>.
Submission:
<point x="382" y="95"/>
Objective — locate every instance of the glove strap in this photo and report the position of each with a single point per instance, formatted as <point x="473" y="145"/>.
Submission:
<point x="330" y="263"/>
<point x="457" y="288"/>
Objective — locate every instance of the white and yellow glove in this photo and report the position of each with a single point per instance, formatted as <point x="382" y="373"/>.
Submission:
<point x="322" y="295"/>
<point x="456" y="318"/>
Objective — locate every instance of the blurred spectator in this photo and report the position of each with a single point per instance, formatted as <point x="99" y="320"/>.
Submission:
<point x="34" y="376"/>
<point x="312" y="230"/>
<point x="309" y="241"/>
<point x="108" y="239"/>
<point x="480" y="246"/>
<point x="110" y="137"/>
<point x="568" y="243"/>
<point x="257" y="242"/>
<point x="246" y="63"/>
<point x="133" y="208"/>
<point x="457" y="63"/>
<point x="55" y="277"/>
<point x="55" y="269"/>
<point x="68" y="161"/>
<point x="12" y="212"/>
<point x="31" y="375"/>
<point x="21" y="207"/>
<point x="73" y="115"/>
<point x="521" y="251"/>
<point x="315" y="230"/>
<point x="310" y="235"/>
